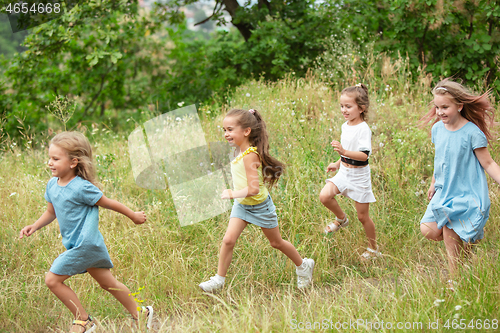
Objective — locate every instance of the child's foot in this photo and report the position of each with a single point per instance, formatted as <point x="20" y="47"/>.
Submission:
<point x="371" y="254"/>
<point x="148" y="311"/>
<point x="336" y="225"/>
<point x="83" y="326"/>
<point x="305" y="273"/>
<point x="215" y="284"/>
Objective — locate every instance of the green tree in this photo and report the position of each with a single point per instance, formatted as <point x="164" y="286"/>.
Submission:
<point x="96" y="51"/>
<point x="459" y="38"/>
<point x="279" y="36"/>
<point x="10" y="43"/>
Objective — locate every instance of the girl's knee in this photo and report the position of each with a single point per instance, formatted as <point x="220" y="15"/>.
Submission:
<point x="325" y="196"/>
<point x="276" y="243"/>
<point x="229" y="241"/>
<point x="430" y="233"/>
<point x="110" y="285"/>
<point x="51" y="281"/>
<point x="363" y="217"/>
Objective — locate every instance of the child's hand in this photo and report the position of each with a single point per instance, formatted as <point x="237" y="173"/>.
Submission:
<point x="27" y="231"/>
<point x="227" y="194"/>
<point x="431" y="192"/>
<point x="337" y="147"/>
<point x="332" y="167"/>
<point x="139" y="217"/>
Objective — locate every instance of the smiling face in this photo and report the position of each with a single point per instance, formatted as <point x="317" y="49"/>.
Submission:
<point x="350" y="109"/>
<point x="60" y="164"/>
<point x="233" y="133"/>
<point x="447" y="109"/>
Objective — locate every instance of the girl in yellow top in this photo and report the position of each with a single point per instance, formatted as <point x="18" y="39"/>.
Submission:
<point x="253" y="166"/>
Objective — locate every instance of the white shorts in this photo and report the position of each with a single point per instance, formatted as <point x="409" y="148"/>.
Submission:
<point x="354" y="183"/>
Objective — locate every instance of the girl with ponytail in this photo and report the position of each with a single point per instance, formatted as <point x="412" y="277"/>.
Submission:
<point x="251" y="169"/>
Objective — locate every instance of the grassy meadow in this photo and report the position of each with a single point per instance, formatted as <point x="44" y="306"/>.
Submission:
<point x="164" y="263"/>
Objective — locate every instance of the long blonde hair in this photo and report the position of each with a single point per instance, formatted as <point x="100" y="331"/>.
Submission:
<point x="76" y="145"/>
<point x="477" y="108"/>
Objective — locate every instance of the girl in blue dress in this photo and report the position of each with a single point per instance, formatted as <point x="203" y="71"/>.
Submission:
<point x="73" y="198"/>
<point x="459" y="203"/>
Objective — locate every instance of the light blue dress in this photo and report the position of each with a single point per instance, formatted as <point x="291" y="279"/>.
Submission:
<point x="78" y="217"/>
<point x="461" y="201"/>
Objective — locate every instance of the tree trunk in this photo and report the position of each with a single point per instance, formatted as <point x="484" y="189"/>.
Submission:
<point x="266" y="3"/>
<point x="231" y="6"/>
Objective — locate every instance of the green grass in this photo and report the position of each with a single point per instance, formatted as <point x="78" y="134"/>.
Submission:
<point x="260" y="294"/>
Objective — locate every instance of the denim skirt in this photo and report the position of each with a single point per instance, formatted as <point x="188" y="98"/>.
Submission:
<point x="262" y="215"/>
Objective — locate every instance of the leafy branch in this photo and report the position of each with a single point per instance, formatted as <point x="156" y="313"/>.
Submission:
<point x="62" y="108"/>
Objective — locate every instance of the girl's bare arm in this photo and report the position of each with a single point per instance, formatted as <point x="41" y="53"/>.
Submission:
<point x="489" y="165"/>
<point x="354" y="155"/>
<point x="47" y="217"/>
<point x="136" y="217"/>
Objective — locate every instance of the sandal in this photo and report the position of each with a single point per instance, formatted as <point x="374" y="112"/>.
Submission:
<point x="88" y="325"/>
<point x="371" y="254"/>
<point x="334" y="227"/>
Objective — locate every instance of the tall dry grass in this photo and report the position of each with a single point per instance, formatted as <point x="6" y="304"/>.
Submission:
<point x="407" y="285"/>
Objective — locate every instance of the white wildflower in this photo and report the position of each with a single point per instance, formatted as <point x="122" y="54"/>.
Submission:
<point x="438" y="301"/>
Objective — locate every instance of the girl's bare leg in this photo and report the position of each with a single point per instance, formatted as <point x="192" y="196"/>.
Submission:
<point x="274" y="237"/>
<point x="108" y="282"/>
<point x="431" y="231"/>
<point x="327" y="198"/>
<point x="67" y="296"/>
<point x="454" y="248"/>
<point x="363" y="210"/>
<point x="233" y="232"/>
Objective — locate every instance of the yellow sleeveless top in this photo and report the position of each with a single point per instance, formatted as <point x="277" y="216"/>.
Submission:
<point x="240" y="179"/>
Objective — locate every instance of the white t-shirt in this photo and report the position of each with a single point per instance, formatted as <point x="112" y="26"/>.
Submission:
<point x="356" y="138"/>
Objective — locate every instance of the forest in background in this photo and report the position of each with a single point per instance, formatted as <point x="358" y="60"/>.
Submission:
<point x="113" y="60"/>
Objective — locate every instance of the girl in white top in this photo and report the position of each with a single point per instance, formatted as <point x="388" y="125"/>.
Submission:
<point x="353" y="179"/>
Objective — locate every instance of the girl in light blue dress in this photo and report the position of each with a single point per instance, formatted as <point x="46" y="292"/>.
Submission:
<point x="459" y="203"/>
<point x="73" y="198"/>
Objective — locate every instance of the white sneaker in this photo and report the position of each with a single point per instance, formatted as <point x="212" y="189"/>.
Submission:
<point x="212" y="286"/>
<point x="304" y="275"/>
<point x="148" y="310"/>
